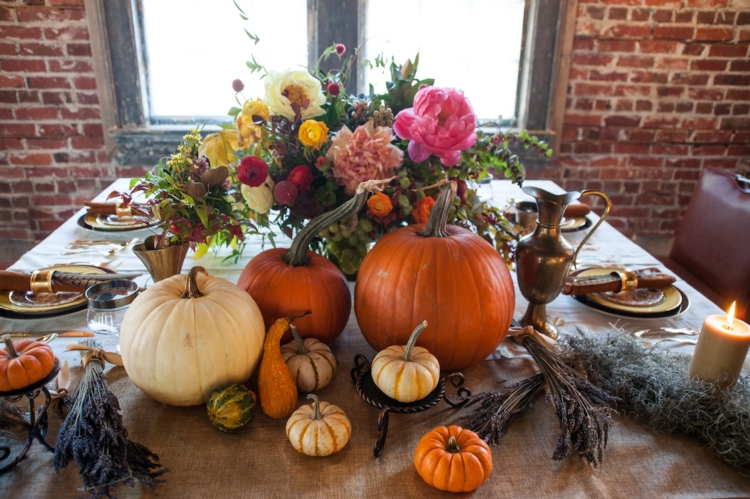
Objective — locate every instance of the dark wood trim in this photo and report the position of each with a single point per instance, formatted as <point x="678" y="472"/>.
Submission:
<point x="563" y="58"/>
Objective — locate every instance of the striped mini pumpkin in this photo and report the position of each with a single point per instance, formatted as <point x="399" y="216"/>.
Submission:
<point x="231" y="408"/>
<point x="311" y="362"/>
<point x="318" y="429"/>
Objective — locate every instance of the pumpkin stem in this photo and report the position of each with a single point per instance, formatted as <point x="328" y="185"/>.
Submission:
<point x="297" y="254"/>
<point x="298" y="340"/>
<point x="452" y="445"/>
<point x="316" y="406"/>
<point x="439" y="213"/>
<point x="413" y="341"/>
<point x="191" y="285"/>
<point x="9" y="346"/>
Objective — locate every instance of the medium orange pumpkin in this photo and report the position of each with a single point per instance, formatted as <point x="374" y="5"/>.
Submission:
<point x="446" y="275"/>
<point x="453" y="459"/>
<point x="284" y="282"/>
<point x="24" y="363"/>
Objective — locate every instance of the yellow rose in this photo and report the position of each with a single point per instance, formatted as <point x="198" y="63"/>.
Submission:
<point x="247" y="131"/>
<point x="313" y="134"/>
<point x="219" y="148"/>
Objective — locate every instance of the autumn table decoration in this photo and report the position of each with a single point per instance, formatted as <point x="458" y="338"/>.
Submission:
<point x="310" y="361"/>
<point x="231" y="408"/>
<point x="319" y="429"/>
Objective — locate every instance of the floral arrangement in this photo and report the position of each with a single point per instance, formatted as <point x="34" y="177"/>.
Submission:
<point x="304" y="147"/>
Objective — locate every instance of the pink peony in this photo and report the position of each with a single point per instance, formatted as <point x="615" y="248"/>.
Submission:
<point x="442" y="122"/>
<point x="366" y="154"/>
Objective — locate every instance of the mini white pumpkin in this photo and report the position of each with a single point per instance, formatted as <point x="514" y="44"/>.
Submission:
<point x="406" y="373"/>
<point x="188" y="335"/>
<point x="311" y="362"/>
<point x="318" y="429"/>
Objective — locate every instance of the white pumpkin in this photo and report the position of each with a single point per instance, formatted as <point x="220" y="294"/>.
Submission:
<point x="188" y="335"/>
<point x="311" y="362"/>
<point x="406" y="373"/>
<point x="318" y="429"/>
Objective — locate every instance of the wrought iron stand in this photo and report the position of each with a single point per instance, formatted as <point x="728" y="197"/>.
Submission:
<point x="371" y="394"/>
<point x="36" y="420"/>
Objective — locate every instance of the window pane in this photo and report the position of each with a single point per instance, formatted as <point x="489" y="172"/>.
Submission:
<point x="195" y="49"/>
<point x="473" y="45"/>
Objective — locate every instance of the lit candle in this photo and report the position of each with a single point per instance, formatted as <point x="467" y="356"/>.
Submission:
<point x="721" y="349"/>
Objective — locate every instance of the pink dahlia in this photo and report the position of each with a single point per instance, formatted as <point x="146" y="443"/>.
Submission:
<point x="442" y="122"/>
<point x="366" y="154"/>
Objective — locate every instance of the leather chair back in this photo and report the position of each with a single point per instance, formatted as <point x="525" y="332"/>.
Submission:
<point x="713" y="240"/>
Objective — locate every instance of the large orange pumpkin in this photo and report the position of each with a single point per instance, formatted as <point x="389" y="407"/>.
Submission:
<point x="286" y="282"/>
<point x="24" y="363"/>
<point x="446" y="275"/>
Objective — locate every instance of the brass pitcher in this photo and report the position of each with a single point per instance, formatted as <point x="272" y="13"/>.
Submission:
<point x="161" y="263"/>
<point x="543" y="258"/>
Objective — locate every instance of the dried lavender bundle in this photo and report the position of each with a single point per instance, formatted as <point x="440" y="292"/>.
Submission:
<point x="655" y="389"/>
<point x="584" y="410"/>
<point x="94" y="437"/>
<point x="493" y="411"/>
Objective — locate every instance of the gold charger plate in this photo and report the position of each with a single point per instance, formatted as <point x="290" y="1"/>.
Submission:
<point x="672" y="297"/>
<point x="112" y="223"/>
<point x="575" y="224"/>
<point x="34" y="308"/>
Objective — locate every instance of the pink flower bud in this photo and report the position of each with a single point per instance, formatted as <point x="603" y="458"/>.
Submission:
<point x="237" y="85"/>
<point x="340" y="48"/>
<point x="333" y="88"/>
<point x="285" y="192"/>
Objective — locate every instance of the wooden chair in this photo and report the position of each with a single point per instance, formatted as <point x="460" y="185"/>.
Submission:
<point x="711" y="250"/>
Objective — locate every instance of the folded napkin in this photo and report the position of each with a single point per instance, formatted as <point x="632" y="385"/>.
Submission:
<point x="52" y="281"/>
<point x="574" y="210"/>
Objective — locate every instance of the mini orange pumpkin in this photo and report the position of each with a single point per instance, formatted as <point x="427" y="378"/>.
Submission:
<point x="453" y="459"/>
<point x="24" y="363"/>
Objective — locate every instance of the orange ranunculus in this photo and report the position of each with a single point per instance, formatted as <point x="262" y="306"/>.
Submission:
<point x="379" y="204"/>
<point x="421" y="212"/>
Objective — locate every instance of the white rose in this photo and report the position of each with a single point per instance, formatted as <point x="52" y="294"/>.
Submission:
<point x="282" y="89"/>
<point x="259" y="199"/>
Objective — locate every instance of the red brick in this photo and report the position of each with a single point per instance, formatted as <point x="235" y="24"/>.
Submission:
<point x="708" y="65"/>
<point x="693" y="49"/>
<point x="84" y="142"/>
<point x="648" y="77"/>
<point x="592" y="59"/>
<point x="684" y="107"/>
<point x="31" y="159"/>
<point x="44" y="187"/>
<point x="740" y="109"/>
<point x="712" y="137"/>
<point x="618" y="13"/>
<point x="622" y="121"/>
<point x="69" y="66"/>
<point x="714" y="34"/>
<point x="8" y="96"/>
<point x="632" y="90"/>
<point x="8" y="49"/>
<point x="603" y="105"/>
<point x="20" y="32"/>
<point x="56" y="97"/>
<point x="630" y="148"/>
<point x="81" y="113"/>
<point x="706" y="17"/>
<point x="23" y="187"/>
<point x="25" y="14"/>
<point x="650" y="161"/>
<point x="629" y="31"/>
<point x="671" y="63"/>
<point x="37" y="113"/>
<point x="670" y="149"/>
<point x="741" y="137"/>
<point x="7" y="144"/>
<point x="592" y="89"/>
<point x="582" y="119"/>
<point x="583" y="43"/>
<point x="48" y="82"/>
<point x="664" y="3"/>
<point x="684" y="16"/>
<point x="738" y="151"/>
<point x="12" y="81"/>
<point x="666" y="107"/>
<point x="93" y="130"/>
<point x="704" y="108"/>
<point x="660" y="121"/>
<point x="722" y="109"/>
<point x="663" y="16"/>
<point x="67" y="33"/>
<point x="624" y="105"/>
<point x="728" y="51"/>
<point x="51" y="200"/>
<point x="40" y="49"/>
<point x="643" y="105"/>
<point x="24" y="65"/>
<point x="622" y="2"/>
<point x="690" y="79"/>
<point x="700" y="123"/>
<point x="672" y="136"/>
<point x="737" y="94"/>
<point x="673" y="33"/>
<point x="705" y="94"/>
<point x="731" y="79"/>
<point x="670" y="91"/>
<point x="48" y="130"/>
<point x="640" y="15"/>
<point x="595" y="12"/>
<point x="740" y="65"/>
<point x="710" y="4"/>
<point x="593" y="147"/>
<point x="79" y="49"/>
<point x="84" y="83"/>
<point x="709" y="150"/>
<point x="744" y="35"/>
<point x="725" y="17"/>
<point x="658" y="46"/>
<point x="16" y="130"/>
<point x="635" y="62"/>
<point x="87" y="99"/>
<point x="46" y="143"/>
<point x="615" y="45"/>
<point x="611" y="76"/>
<point x="728" y="163"/>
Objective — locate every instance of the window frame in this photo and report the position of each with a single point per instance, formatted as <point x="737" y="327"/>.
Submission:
<point x="117" y="39"/>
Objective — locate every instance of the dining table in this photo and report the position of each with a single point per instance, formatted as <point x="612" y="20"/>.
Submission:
<point x="259" y="461"/>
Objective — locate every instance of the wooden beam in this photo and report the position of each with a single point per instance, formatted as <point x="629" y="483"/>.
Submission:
<point x="563" y="57"/>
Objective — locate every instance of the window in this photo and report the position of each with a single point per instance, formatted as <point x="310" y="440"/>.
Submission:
<point x="165" y="64"/>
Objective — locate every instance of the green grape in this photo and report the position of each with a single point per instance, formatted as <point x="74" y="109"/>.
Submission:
<point x="334" y="248"/>
<point x="346" y="233"/>
<point x="347" y="255"/>
<point x="362" y="249"/>
<point x="333" y="228"/>
<point x="359" y="230"/>
<point x="365" y="224"/>
<point x="347" y="267"/>
<point x="337" y="237"/>
<point x="405" y="182"/>
<point x="325" y="233"/>
<point x="353" y="240"/>
<point x="357" y="264"/>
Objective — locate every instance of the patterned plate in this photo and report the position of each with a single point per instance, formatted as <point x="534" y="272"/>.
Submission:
<point x="576" y="224"/>
<point x="671" y="299"/>
<point x="113" y="223"/>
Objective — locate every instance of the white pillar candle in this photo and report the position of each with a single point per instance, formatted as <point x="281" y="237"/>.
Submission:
<point x="721" y="349"/>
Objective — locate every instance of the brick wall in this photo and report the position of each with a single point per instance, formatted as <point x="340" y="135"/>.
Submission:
<point x="659" y="89"/>
<point x="52" y="155"/>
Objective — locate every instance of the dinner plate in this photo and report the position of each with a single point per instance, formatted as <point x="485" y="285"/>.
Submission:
<point x="113" y="223"/>
<point x="27" y="305"/>
<point x="684" y="305"/>
<point x="575" y="224"/>
<point x="670" y="299"/>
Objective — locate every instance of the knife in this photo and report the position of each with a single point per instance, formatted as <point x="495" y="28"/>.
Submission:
<point x="61" y="333"/>
<point x="613" y="282"/>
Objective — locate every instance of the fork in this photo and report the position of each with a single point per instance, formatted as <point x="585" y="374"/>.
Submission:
<point x="111" y="252"/>
<point x="665" y="330"/>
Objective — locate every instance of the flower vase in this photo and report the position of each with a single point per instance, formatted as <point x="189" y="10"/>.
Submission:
<point x="163" y="262"/>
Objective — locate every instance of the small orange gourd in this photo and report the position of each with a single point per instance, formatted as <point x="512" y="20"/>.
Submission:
<point x="24" y="363"/>
<point x="276" y="387"/>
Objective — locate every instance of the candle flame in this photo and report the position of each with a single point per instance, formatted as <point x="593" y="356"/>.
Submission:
<point x="730" y="315"/>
